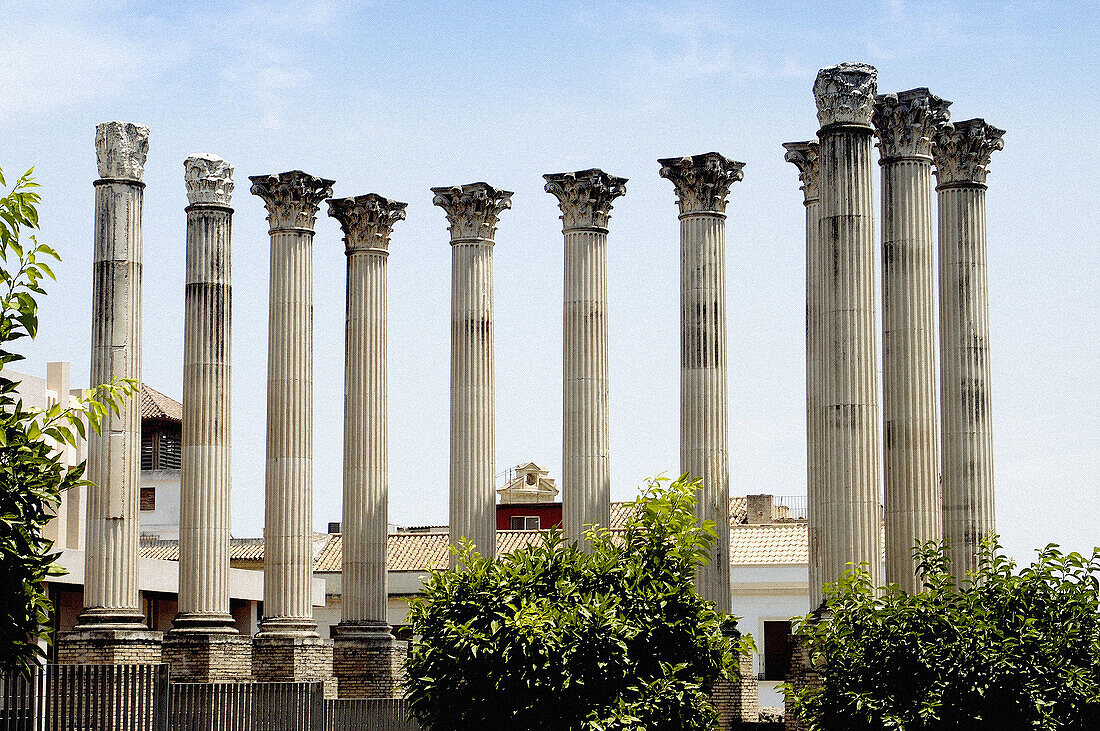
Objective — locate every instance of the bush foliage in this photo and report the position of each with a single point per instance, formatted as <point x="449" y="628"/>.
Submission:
<point x="553" y="637"/>
<point x="1007" y="649"/>
<point x="32" y="475"/>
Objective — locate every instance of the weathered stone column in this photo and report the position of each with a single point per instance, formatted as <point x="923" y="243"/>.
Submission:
<point x="845" y="97"/>
<point x="472" y="212"/>
<point x="962" y="151"/>
<point x="203" y="645"/>
<point x="904" y="123"/>
<point x="287" y="646"/>
<point x="702" y="184"/>
<point x="585" y="199"/>
<point x="367" y="660"/>
<point x="804" y="155"/>
<point x="112" y="627"/>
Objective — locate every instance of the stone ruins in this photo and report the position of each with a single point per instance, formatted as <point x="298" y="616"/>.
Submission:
<point x="935" y="443"/>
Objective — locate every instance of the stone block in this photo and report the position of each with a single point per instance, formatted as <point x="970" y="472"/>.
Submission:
<point x="369" y="667"/>
<point x="109" y="647"/>
<point x="208" y="658"/>
<point x="291" y="659"/>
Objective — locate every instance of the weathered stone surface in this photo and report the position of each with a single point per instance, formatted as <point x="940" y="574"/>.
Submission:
<point x="845" y="94"/>
<point x="702" y="181"/>
<point x="367" y="222"/>
<point x="369" y="668"/>
<point x="851" y="525"/>
<point x="585" y="199"/>
<point x="209" y="179"/>
<point x="291" y="198"/>
<point x="205" y="470"/>
<point x="472" y="209"/>
<point x="906" y="121"/>
<point x="104" y="646"/>
<point x="962" y="151"/>
<point x="291" y="659"/>
<point x="292" y="201"/>
<point x="805" y="156"/>
<point x="121" y="149"/>
<point x="207" y="658"/>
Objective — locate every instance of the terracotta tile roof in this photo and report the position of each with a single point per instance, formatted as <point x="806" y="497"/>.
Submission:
<point x="155" y="405"/>
<point x="771" y="543"/>
<point x="620" y="512"/>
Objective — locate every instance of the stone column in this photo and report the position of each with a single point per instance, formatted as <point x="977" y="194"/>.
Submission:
<point x="804" y="155"/>
<point x="904" y="123"/>
<point x="203" y="645"/>
<point x="585" y="199"/>
<point x="472" y="212"/>
<point x="112" y="627"/>
<point x="367" y="659"/>
<point x="702" y="184"/>
<point x="962" y="151"/>
<point x="845" y="97"/>
<point x="287" y="646"/>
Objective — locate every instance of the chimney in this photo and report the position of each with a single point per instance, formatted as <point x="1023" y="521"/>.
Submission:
<point x="759" y="509"/>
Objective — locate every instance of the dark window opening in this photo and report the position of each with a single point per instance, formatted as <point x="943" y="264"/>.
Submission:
<point x="160" y="446"/>
<point x="148" y="498"/>
<point x="524" y="522"/>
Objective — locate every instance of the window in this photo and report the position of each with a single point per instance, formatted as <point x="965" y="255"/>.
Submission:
<point x="160" y="447"/>
<point x="777" y="650"/>
<point x="148" y="498"/>
<point x="524" y="522"/>
<point x="531" y="478"/>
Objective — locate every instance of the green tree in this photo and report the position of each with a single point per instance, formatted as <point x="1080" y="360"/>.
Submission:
<point x="1005" y="650"/>
<point x="32" y="476"/>
<point x="553" y="637"/>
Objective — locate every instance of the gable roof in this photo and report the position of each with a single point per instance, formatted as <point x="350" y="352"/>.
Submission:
<point x="155" y="405"/>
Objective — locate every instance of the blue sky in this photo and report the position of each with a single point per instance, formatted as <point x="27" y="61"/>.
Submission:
<point x="397" y="98"/>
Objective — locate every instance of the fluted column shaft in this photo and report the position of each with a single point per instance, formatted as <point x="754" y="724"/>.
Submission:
<point x="805" y="156"/>
<point x="472" y="211"/>
<point x="905" y="123"/>
<point x="586" y="460"/>
<point x="205" y="478"/>
<point x="702" y="185"/>
<point x="910" y="428"/>
<point x="367" y="222"/>
<point x="585" y="198"/>
<point x="962" y="152"/>
<point x="291" y="199"/>
<point x="850" y="504"/>
<point x="111" y="596"/>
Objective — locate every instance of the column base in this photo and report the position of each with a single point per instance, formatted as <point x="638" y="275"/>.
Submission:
<point x="91" y="645"/>
<point x="737" y="700"/>
<point x="203" y="623"/>
<point x="367" y="661"/>
<point x="280" y="658"/>
<point x="207" y="658"/>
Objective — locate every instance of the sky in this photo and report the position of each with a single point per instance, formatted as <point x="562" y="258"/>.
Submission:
<point x="395" y="98"/>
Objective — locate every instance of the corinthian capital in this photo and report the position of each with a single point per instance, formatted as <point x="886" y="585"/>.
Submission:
<point x="845" y="94"/>
<point x="585" y="196"/>
<point x="962" y="150"/>
<point x="472" y="209"/>
<point x="292" y="198"/>
<point x="366" y="220"/>
<point x="906" y="121"/>
<point x="209" y="179"/>
<point x="702" y="181"/>
<point x="804" y="156"/>
<point x="121" y="149"/>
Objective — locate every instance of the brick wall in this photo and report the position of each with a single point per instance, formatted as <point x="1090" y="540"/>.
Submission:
<point x="197" y="658"/>
<point x="802" y="674"/>
<point x="291" y="659"/>
<point x="737" y="701"/>
<point x="369" y="668"/>
<point x="109" y="647"/>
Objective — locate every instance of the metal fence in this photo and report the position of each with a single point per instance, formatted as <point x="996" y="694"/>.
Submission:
<point x="140" y="698"/>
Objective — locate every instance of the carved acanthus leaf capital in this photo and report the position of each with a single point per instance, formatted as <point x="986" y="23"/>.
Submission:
<point x="472" y="209"/>
<point x="845" y="94"/>
<point x="804" y="156"/>
<point x="121" y="149"/>
<point x="366" y="220"/>
<point x="905" y="122"/>
<point x="702" y="181"/>
<point x="585" y="196"/>
<point x="291" y="198"/>
<point x="209" y="179"/>
<point x="962" y="150"/>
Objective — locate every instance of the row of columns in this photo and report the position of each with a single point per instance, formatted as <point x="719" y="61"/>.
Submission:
<point x="841" y="361"/>
<point x="203" y="639"/>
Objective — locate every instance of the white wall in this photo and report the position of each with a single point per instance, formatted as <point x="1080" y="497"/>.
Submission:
<point x="164" y="521"/>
